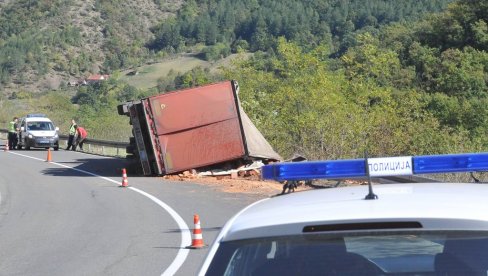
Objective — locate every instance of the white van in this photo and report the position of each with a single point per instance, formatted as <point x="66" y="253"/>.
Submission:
<point x="38" y="131"/>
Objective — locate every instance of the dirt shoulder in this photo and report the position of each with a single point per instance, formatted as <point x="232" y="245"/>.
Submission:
<point x="228" y="185"/>
<point x="254" y="185"/>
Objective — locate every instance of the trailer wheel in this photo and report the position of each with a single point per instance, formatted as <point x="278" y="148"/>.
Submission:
<point x="130" y="149"/>
<point x="134" y="167"/>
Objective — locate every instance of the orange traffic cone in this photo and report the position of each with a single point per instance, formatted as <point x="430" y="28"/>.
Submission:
<point x="125" y="182"/>
<point x="6" y="146"/>
<point x="197" y="240"/>
<point x="48" y="159"/>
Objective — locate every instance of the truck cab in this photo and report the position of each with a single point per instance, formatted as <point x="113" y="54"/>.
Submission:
<point x="37" y="131"/>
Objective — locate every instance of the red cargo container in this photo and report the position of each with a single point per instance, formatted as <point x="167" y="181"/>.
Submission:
<point x="194" y="128"/>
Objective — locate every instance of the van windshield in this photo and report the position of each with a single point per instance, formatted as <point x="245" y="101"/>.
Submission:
<point x="40" y="126"/>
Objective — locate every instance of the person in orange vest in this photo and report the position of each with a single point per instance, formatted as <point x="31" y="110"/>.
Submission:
<point x="80" y="137"/>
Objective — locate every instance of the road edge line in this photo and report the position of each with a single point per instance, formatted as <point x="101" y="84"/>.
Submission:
<point x="185" y="231"/>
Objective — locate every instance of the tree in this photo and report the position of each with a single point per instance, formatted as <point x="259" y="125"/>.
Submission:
<point x="301" y="106"/>
<point x="369" y="61"/>
<point x="462" y="72"/>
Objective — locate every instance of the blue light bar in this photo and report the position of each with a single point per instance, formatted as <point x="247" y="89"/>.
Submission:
<point x="450" y="163"/>
<point x="315" y="170"/>
<point x="34" y="115"/>
<point x="336" y="169"/>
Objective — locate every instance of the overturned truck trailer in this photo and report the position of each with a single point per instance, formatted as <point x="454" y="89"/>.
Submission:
<point x="193" y="128"/>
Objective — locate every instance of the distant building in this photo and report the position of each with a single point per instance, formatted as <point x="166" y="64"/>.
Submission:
<point x="75" y="83"/>
<point x="90" y="80"/>
<point x="96" y="78"/>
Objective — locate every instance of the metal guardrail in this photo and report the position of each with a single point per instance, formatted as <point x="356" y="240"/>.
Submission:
<point x="407" y="179"/>
<point x="118" y="149"/>
<point x="96" y="146"/>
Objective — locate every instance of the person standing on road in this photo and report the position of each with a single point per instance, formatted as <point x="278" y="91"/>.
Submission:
<point x="72" y="133"/>
<point x="80" y="137"/>
<point x="12" y="134"/>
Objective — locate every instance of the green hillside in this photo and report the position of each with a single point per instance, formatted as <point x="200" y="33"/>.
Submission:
<point x="331" y="80"/>
<point x="46" y="44"/>
<point x="146" y="76"/>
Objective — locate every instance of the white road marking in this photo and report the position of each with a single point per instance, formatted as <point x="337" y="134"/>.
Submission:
<point x="185" y="231"/>
<point x="185" y="234"/>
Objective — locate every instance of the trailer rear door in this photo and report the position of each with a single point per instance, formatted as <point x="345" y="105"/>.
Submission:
<point x="198" y="126"/>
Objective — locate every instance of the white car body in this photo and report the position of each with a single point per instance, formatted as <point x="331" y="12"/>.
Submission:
<point x="409" y="209"/>
<point x="390" y="229"/>
<point x="38" y="132"/>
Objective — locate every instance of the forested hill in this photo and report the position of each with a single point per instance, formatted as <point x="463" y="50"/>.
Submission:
<point x="255" y="25"/>
<point x="45" y="43"/>
<point x="327" y="79"/>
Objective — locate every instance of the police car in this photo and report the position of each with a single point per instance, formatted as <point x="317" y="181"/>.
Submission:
<point x="37" y="131"/>
<point x="387" y="229"/>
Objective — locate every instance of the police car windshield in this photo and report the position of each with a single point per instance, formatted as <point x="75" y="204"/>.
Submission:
<point x="383" y="253"/>
<point x="40" y="126"/>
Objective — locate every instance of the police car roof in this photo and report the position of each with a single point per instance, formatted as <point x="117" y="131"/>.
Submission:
<point x="435" y="206"/>
<point x="32" y="115"/>
<point x="37" y="119"/>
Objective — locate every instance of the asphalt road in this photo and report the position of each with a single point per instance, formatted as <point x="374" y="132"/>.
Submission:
<point x="70" y="217"/>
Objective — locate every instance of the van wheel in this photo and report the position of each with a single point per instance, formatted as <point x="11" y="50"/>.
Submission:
<point x="27" y="147"/>
<point x="56" y="147"/>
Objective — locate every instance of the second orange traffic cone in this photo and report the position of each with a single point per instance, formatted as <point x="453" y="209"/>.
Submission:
<point x="125" y="181"/>
<point x="197" y="240"/>
<point x="48" y="159"/>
